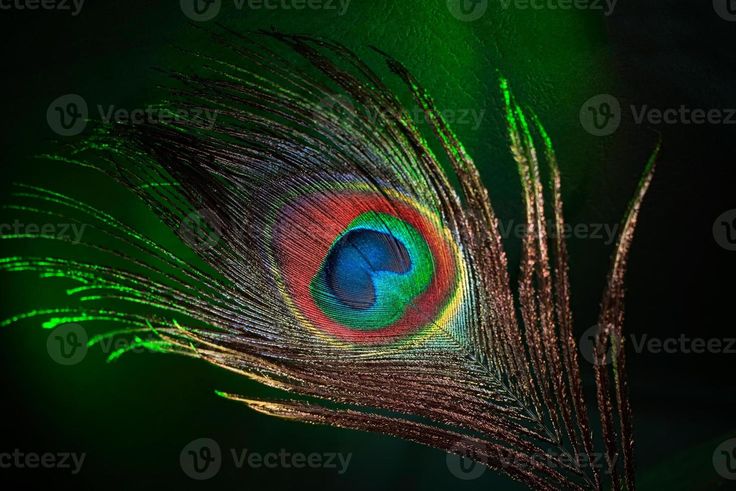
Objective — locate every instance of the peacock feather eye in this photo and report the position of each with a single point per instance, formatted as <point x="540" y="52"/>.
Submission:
<point x="380" y="271"/>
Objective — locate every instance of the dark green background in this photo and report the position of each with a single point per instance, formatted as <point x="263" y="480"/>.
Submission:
<point x="133" y="417"/>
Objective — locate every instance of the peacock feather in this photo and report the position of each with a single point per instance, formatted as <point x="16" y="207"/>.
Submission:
<point x="349" y="263"/>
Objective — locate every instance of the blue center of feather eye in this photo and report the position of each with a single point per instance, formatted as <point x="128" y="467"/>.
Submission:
<point x="353" y="261"/>
<point x="373" y="273"/>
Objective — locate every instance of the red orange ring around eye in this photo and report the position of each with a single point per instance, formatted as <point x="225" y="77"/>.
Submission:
<point x="307" y="228"/>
